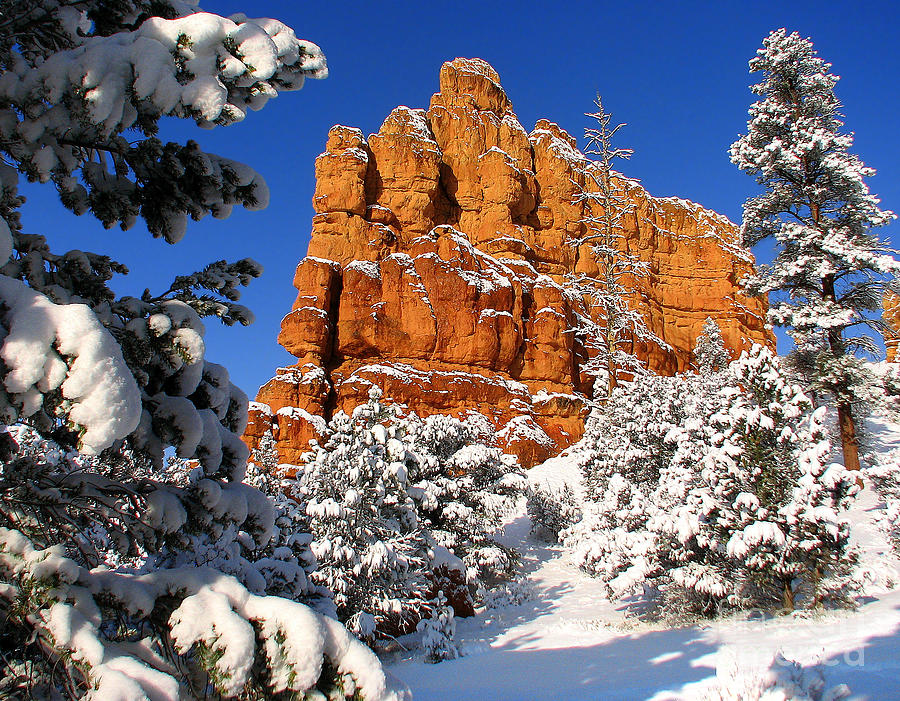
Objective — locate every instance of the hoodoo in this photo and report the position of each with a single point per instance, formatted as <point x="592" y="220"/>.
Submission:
<point x="437" y="271"/>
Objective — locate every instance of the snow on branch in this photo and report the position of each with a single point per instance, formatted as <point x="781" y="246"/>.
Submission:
<point x="50" y="347"/>
<point x="204" y="66"/>
<point x="66" y="111"/>
<point x="214" y="611"/>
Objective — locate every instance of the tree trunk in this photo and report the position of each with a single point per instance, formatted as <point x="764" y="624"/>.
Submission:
<point x="787" y="596"/>
<point x="849" y="443"/>
<point x="610" y="362"/>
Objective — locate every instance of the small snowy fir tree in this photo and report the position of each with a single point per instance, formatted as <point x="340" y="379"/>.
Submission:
<point x="552" y="510"/>
<point x="372" y="550"/>
<point x="464" y="489"/>
<point x="830" y="270"/>
<point x="438" y="632"/>
<point x="609" y="326"/>
<point x="758" y="485"/>
<point x="710" y="354"/>
<point x="286" y="562"/>
<point x="737" y="507"/>
<point x="116" y="579"/>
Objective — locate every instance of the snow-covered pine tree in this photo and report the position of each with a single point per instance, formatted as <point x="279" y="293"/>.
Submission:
<point x="714" y="489"/>
<point x="830" y="270"/>
<point x="101" y="591"/>
<point x="463" y="489"/>
<point x="628" y="449"/>
<point x="373" y="553"/>
<point x="286" y="562"/>
<point x="710" y="354"/>
<point x="609" y="327"/>
<point x="757" y="484"/>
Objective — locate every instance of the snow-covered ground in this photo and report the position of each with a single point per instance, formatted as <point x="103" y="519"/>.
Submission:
<point x="567" y="641"/>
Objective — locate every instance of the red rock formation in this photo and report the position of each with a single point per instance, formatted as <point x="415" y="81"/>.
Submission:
<point x="891" y="316"/>
<point x="437" y="271"/>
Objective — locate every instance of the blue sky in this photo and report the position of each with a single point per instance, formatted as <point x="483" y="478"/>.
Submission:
<point x="676" y="72"/>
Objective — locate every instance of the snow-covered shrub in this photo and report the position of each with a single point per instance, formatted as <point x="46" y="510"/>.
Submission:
<point x="286" y="562"/>
<point x="715" y="489"/>
<point x="552" y="510"/>
<point x="885" y="477"/>
<point x="438" y="632"/>
<point x="464" y="489"/>
<point x="512" y="593"/>
<point x="108" y="632"/>
<point x="372" y="550"/>
<point x="783" y="680"/>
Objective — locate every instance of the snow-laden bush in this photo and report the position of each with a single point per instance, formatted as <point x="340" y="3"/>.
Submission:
<point x="512" y="593"/>
<point x="372" y="550"/>
<point x="885" y="477"/>
<point x="438" y="632"/>
<point x="783" y="680"/>
<point x="715" y="490"/>
<point x="464" y="489"/>
<point x="552" y="510"/>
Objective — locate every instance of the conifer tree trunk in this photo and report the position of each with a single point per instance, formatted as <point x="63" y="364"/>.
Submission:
<point x="611" y="368"/>
<point x="849" y="443"/>
<point x="846" y="424"/>
<point x="787" y="596"/>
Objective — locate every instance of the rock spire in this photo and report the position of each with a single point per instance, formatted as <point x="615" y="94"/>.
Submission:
<point x="437" y="270"/>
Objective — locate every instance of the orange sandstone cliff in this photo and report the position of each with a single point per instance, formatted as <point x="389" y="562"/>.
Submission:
<point x="891" y="318"/>
<point x="437" y="270"/>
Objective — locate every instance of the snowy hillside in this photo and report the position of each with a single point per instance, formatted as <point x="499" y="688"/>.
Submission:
<point x="558" y="637"/>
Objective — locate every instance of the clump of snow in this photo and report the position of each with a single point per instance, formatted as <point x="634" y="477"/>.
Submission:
<point x="213" y="609"/>
<point x="366" y="267"/>
<point x="48" y="347"/>
<point x="261" y="408"/>
<point x="781" y="680"/>
<point x="298" y="414"/>
<point x="524" y="428"/>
